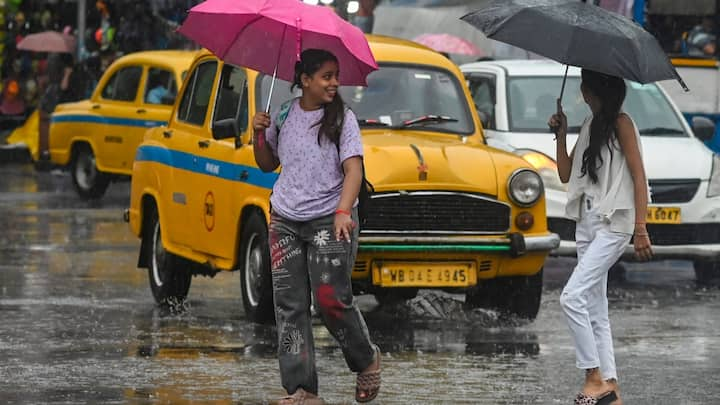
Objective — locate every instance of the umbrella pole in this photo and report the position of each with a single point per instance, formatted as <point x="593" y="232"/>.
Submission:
<point x="272" y="86"/>
<point x="277" y="62"/>
<point x="562" y="89"/>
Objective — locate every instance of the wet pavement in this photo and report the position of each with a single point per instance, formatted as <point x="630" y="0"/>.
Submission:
<point x="78" y="325"/>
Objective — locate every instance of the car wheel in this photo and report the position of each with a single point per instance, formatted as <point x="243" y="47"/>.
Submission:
<point x="516" y="296"/>
<point x="169" y="276"/>
<point x="707" y="272"/>
<point x="255" y="277"/>
<point x="392" y="296"/>
<point x="89" y="182"/>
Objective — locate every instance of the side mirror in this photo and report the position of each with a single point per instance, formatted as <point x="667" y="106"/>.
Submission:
<point x="703" y="127"/>
<point x="225" y="129"/>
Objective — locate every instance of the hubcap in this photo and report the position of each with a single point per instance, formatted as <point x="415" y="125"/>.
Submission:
<point x="158" y="256"/>
<point x="253" y="267"/>
<point x="85" y="170"/>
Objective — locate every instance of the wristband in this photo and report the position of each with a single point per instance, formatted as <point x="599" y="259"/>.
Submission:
<point x="343" y="212"/>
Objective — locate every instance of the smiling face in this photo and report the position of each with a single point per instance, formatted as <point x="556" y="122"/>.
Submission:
<point x="322" y="85"/>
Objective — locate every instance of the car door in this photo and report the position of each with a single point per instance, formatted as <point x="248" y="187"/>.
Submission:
<point x="225" y="164"/>
<point x="187" y="138"/>
<point x="482" y="88"/>
<point x="118" y="105"/>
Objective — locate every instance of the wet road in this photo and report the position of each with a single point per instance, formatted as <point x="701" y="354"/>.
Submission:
<point x="78" y="325"/>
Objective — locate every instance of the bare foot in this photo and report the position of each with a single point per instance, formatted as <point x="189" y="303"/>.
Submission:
<point x="595" y="386"/>
<point x="300" y="397"/>
<point x="374" y="365"/>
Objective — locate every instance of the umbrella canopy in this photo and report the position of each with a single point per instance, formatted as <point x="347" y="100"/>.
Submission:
<point x="266" y="35"/>
<point x="449" y="44"/>
<point x="576" y="33"/>
<point x="48" y="41"/>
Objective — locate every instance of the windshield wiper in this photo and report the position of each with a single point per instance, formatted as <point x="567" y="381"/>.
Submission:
<point x="371" y="123"/>
<point x="428" y="119"/>
<point x="661" y="131"/>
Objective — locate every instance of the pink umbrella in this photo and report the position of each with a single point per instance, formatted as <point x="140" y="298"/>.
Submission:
<point x="48" y="41"/>
<point x="268" y="36"/>
<point x="449" y="44"/>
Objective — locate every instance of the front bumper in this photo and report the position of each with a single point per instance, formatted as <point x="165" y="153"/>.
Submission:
<point x="686" y="252"/>
<point x="515" y="244"/>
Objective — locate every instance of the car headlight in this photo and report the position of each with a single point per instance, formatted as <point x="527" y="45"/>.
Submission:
<point x="714" y="184"/>
<point x="546" y="167"/>
<point x="525" y="187"/>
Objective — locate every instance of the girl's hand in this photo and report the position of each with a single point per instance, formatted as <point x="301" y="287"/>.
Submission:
<point x="558" y="121"/>
<point x="261" y="121"/>
<point x="641" y="241"/>
<point x="344" y="225"/>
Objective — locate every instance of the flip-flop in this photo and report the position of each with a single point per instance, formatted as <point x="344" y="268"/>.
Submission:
<point x="604" y="399"/>
<point x="368" y="384"/>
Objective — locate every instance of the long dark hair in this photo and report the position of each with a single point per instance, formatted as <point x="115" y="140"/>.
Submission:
<point x="331" y="123"/>
<point x="611" y="92"/>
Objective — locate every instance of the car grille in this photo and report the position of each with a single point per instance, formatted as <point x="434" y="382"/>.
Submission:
<point x="673" y="191"/>
<point x="564" y="227"/>
<point x="683" y="234"/>
<point x="436" y="212"/>
<point x="660" y="234"/>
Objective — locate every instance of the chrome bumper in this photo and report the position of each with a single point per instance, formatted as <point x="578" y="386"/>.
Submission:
<point x="688" y="252"/>
<point x="515" y="244"/>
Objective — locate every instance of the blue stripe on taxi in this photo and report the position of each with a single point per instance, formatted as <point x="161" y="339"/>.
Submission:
<point x="203" y="165"/>
<point x="95" y="119"/>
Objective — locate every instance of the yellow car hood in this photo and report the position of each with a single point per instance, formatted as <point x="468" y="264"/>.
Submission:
<point x="409" y="160"/>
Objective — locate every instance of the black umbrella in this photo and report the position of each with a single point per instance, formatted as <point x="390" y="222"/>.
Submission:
<point x="576" y="33"/>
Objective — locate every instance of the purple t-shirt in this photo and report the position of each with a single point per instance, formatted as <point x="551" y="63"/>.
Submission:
<point x="311" y="179"/>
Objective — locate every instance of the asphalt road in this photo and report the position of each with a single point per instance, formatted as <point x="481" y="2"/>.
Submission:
<point x="78" y="325"/>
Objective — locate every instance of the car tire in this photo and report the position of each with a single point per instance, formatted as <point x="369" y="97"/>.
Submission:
<point x="707" y="272"/>
<point x="89" y="182"/>
<point x="394" y="296"/>
<point x="515" y="296"/>
<point x="169" y="275"/>
<point x="255" y="276"/>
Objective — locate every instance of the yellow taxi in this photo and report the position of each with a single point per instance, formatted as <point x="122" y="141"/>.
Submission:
<point x="96" y="138"/>
<point x="448" y="211"/>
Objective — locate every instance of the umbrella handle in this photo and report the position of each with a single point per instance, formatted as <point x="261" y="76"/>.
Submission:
<point x="562" y="89"/>
<point x="272" y="86"/>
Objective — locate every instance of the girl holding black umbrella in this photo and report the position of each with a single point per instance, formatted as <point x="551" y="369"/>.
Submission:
<point x="608" y="197"/>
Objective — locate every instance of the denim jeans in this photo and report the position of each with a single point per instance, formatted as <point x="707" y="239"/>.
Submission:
<point x="584" y="298"/>
<point x="305" y="258"/>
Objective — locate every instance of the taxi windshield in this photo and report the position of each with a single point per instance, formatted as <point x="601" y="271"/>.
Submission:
<point x="398" y="96"/>
<point x="531" y="101"/>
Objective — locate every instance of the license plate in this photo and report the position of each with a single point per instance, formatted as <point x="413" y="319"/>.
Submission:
<point x="426" y="274"/>
<point x="663" y="215"/>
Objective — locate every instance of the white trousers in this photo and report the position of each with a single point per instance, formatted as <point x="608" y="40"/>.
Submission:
<point x="584" y="298"/>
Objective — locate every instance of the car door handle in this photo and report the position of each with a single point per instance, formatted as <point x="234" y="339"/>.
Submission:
<point x="96" y="106"/>
<point x="204" y="144"/>
<point x="244" y="175"/>
<point x="167" y="134"/>
<point x="141" y="111"/>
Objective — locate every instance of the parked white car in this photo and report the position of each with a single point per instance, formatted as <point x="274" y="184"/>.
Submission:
<point x="514" y="100"/>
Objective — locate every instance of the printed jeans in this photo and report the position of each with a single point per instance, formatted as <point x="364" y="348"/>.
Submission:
<point x="305" y="255"/>
<point x="584" y="298"/>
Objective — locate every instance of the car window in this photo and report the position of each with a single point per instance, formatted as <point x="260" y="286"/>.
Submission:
<point x="123" y="85"/>
<point x="232" y="98"/>
<point x="160" y="87"/>
<point x="196" y="98"/>
<point x="482" y="89"/>
<point x="394" y="94"/>
<point x="531" y="101"/>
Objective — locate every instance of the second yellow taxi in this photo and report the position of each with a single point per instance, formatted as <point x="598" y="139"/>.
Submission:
<point x="96" y="138"/>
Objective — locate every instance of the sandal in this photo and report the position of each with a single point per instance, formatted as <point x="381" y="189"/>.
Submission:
<point x="605" y="399"/>
<point x="300" y="397"/>
<point x="368" y="383"/>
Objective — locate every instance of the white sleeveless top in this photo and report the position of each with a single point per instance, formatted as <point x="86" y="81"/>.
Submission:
<point x="613" y="195"/>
